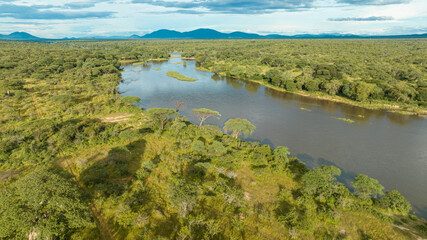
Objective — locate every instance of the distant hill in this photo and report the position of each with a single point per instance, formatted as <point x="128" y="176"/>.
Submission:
<point x="19" y="36"/>
<point x="206" y="33"/>
<point x="203" y="33"/>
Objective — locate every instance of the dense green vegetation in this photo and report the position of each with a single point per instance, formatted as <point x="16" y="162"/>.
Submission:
<point x="180" y="77"/>
<point x="374" y="73"/>
<point x="78" y="161"/>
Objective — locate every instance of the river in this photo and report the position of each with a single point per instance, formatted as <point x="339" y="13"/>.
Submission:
<point x="387" y="146"/>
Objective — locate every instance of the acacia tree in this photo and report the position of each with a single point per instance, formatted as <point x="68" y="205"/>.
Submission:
<point x="204" y="113"/>
<point x="366" y="187"/>
<point x="160" y="115"/>
<point x="238" y="127"/>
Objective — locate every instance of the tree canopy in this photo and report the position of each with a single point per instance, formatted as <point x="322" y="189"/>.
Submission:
<point x="239" y="127"/>
<point x="45" y="203"/>
<point x="204" y="113"/>
<point x="160" y="115"/>
<point x="366" y="187"/>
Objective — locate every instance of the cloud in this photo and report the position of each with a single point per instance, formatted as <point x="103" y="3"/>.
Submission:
<point x="38" y="12"/>
<point x="373" y="2"/>
<point x="234" y="6"/>
<point x="405" y="30"/>
<point x="361" y="19"/>
<point x="79" y="5"/>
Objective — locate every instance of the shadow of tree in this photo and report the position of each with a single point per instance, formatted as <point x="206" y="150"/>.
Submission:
<point x="346" y="177"/>
<point x="110" y="176"/>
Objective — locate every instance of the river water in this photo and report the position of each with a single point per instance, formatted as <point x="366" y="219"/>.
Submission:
<point x="389" y="147"/>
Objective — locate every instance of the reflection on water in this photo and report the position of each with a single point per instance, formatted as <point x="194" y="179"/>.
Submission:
<point x="252" y="87"/>
<point x="234" y="83"/>
<point x="382" y="145"/>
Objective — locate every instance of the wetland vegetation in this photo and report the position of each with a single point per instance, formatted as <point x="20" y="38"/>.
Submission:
<point x="180" y="77"/>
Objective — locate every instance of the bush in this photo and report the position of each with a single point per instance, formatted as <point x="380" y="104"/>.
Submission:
<point x="217" y="149"/>
<point x="198" y="147"/>
<point x="131" y="99"/>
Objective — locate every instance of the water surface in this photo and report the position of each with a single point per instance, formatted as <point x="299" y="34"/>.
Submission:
<point x="389" y="147"/>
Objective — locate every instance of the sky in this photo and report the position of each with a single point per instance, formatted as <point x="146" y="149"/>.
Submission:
<point x="85" y="18"/>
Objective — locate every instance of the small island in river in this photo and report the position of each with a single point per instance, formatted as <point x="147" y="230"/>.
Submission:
<point x="180" y="77"/>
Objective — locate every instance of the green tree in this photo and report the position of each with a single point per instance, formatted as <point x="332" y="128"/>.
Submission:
<point x="45" y="203"/>
<point x="8" y="84"/>
<point x="280" y="156"/>
<point x="396" y="202"/>
<point x="290" y="85"/>
<point x="401" y="91"/>
<point x="198" y="146"/>
<point x="366" y="187"/>
<point x="333" y="87"/>
<point x="160" y="115"/>
<point x="204" y="113"/>
<point x="321" y="181"/>
<point x="363" y="90"/>
<point x="312" y="85"/>
<point x="238" y="127"/>
<point x="217" y="148"/>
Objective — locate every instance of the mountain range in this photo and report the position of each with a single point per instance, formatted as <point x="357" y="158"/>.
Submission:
<point x="205" y="33"/>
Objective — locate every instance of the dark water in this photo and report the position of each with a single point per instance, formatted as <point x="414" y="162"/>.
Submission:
<point x="389" y="147"/>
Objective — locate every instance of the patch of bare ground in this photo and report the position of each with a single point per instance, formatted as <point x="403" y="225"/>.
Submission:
<point x="117" y="118"/>
<point x="409" y="231"/>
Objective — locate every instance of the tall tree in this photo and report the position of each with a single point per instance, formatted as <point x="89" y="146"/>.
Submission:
<point x="238" y="127"/>
<point x="366" y="187"/>
<point x="204" y="113"/>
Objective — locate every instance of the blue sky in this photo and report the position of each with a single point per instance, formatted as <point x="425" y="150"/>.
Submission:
<point x="80" y="18"/>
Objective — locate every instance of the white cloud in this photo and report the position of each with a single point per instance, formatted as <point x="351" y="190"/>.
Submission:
<point x="132" y="18"/>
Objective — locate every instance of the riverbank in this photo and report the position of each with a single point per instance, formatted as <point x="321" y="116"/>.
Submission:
<point x="400" y="108"/>
<point x="135" y="62"/>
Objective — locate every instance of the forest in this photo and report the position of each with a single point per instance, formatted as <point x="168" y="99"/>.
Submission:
<point x="79" y="161"/>
<point x="378" y="74"/>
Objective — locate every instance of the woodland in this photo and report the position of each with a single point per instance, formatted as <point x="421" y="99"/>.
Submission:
<point x="79" y="161"/>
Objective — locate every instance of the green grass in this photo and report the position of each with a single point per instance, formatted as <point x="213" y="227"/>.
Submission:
<point x="346" y="120"/>
<point x="305" y="109"/>
<point x="180" y="77"/>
